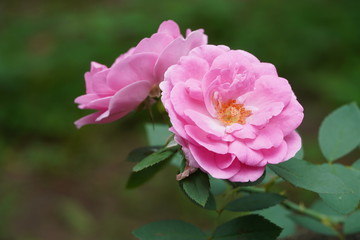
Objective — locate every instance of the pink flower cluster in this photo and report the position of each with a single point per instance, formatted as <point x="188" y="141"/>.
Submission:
<point x="231" y="113"/>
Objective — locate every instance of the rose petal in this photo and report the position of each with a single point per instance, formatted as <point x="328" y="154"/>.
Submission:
<point x="127" y="99"/>
<point x="169" y="27"/>
<point x="248" y="173"/>
<point x="276" y="154"/>
<point x="293" y="141"/>
<point x="206" y="161"/>
<point x="132" y="69"/>
<point x="206" y="123"/>
<point x="202" y="139"/>
<point x="178" y="48"/>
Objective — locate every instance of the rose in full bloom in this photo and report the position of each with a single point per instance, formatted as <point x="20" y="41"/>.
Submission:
<point x="135" y="75"/>
<point x="231" y="113"/>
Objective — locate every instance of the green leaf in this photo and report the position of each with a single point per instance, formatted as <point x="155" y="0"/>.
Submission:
<point x="279" y="215"/>
<point x="339" y="132"/>
<point x="152" y="159"/>
<point x="250" y="227"/>
<point x="312" y="224"/>
<point x="356" y="164"/>
<point x="218" y="186"/>
<point x="322" y="207"/>
<point x="197" y="187"/>
<point x="309" y="176"/>
<point x="177" y="159"/>
<point x="300" y="154"/>
<point x="136" y="179"/>
<point x="169" y="230"/>
<point x="344" y="202"/>
<point x="139" y="154"/>
<point x="211" y="203"/>
<point x="351" y="224"/>
<point x="254" y="202"/>
<point x="157" y="134"/>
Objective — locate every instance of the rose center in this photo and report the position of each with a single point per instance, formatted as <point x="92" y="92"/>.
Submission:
<point x="231" y="112"/>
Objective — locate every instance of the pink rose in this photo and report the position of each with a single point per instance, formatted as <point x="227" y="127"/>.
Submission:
<point x="231" y="113"/>
<point x="135" y="75"/>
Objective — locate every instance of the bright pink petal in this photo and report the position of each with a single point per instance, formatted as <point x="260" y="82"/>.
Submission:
<point x="132" y="69"/>
<point x="206" y="161"/>
<point x="276" y="154"/>
<point x="246" y="132"/>
<point x="224" y="161"/>
<point x="202" y="139"/>
<point x="290" y="118"/>
<point x="268" y="137"/>
<point x="248" y="173"/>
<point x="293" y="141"/>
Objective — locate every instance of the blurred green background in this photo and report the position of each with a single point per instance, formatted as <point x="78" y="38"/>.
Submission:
<point x="57" y="182"/>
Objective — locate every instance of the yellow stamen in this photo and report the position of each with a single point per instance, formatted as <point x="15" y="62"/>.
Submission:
<point x="231" y="112"/>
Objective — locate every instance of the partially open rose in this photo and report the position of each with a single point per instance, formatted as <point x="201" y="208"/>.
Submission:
<point x="135" y="75"/>
<point x="231" y="113"/>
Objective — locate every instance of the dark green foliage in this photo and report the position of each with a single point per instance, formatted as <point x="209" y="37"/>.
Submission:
<point x="153" y="159"/>
<point x="253" y="202"/>
<point x="250" y="227"/>
<point x="197" y="187"/>
<point x="312" y="224"/>
<point x="311" y="177"/>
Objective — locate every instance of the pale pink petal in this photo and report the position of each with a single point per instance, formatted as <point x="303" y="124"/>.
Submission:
<point x="169" y="27"/>
<point x="202" y="139"/>
<point x="92" y="119"/>
<point x="132" y="69"/>
<point x="263" y="113"/>
<point x="178" y="48"/>
<point x="188" y="67"/>
<point x="98" y="104"/>
<point x="262" y="69"/>
<point x="269" y="89"/>
<point x="293" y="142"/>
<point x="84" y="99"/>
<point x="248" y="55"/>
<point x="155" y="44"/>
<point x="208" y="52"/>
<point x="206" y="123"/>
<point x="128" y="98"/>
<point x="181" y="101"/>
